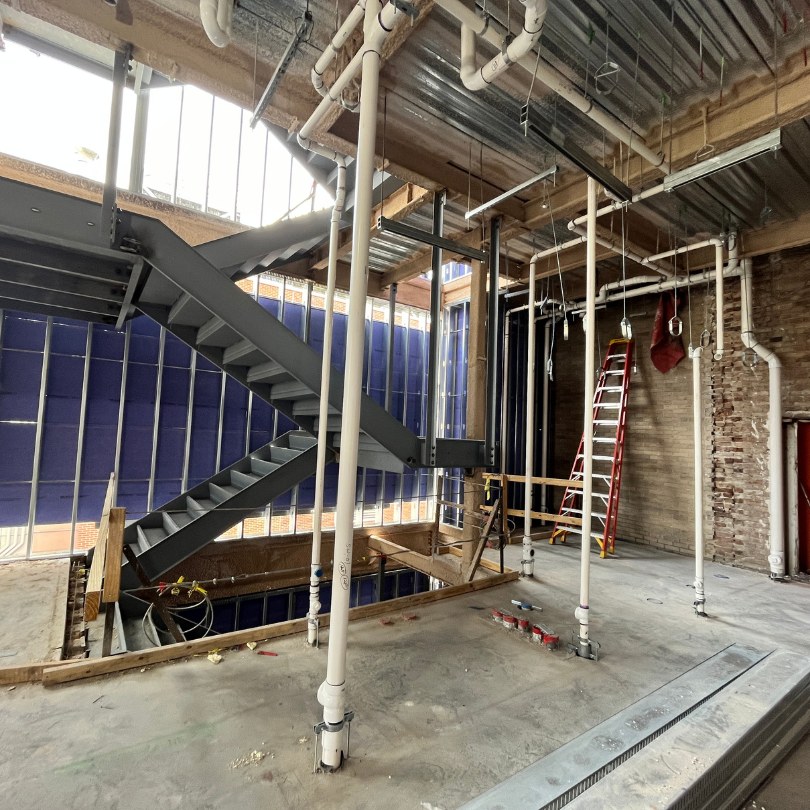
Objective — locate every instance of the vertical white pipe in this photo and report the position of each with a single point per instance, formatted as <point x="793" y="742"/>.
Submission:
<point x="332" y="692"/>
<point x="582" y="612"/>
<point x="776" y="557"/>
<point x="718" y="294"/>
<point x="697" y="424"/>
<point x="316" y="571"/>
<point x="527" y="561"/>
<point x="544" y="506"/>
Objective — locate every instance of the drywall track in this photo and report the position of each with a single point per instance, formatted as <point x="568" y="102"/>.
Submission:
<point x="555" y="780"/>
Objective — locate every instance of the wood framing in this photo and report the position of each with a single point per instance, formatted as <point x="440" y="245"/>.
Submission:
<point x="61" y="672"/>
<point x="95" y="578"/>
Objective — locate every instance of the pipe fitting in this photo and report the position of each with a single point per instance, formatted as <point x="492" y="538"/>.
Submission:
<point x="216" y="17"/>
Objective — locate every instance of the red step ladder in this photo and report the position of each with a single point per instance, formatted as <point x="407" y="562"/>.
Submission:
<point x="609" y="421"/>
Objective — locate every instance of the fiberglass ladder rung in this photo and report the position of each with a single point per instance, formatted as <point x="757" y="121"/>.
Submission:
<point x="616" y="364"/>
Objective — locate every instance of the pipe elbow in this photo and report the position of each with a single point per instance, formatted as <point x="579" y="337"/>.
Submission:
<point x="216" y="17"/>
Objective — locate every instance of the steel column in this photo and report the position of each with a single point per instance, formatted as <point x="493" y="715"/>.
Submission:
<point x="492" y="337"/>
<point x="119" y="433"/>
<point x="389" y="368"/>
<point x="40" y="429"/>
<point x="108" y="199"/>
<point x="434" y="356"/>
<point x="80" y="441"/>
<point x="150" y="498"/>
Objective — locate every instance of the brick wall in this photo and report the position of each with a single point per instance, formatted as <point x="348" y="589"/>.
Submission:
<point x="657" y="489"/>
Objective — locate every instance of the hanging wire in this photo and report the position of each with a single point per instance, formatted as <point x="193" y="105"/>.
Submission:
<point x="556" y="250"/>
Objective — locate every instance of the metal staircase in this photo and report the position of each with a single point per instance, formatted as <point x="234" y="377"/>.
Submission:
<point x="55" y="259"/>
<point x="609" y="421"/>
<point x="164" y="538"/>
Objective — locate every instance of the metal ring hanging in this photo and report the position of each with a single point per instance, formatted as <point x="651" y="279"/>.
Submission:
<point x="675" y="326"/>
<point x="705" y="338"/>
<point x="749" y="358"/>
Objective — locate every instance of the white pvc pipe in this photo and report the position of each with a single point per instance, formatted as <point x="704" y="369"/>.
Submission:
<point x="733" y="263"/>
<point x="615" y="206"/>
<point x="554" y="80"/>
<point x="337" y="42"/>
<point x="376" y="32"/>
<point x="616" y="246"/>
<point x="582" y="613"/>
<point x="316" y="571"/>
<point x="216" y="17"/>
<point x="697" y="423"/>
<point x="717" y="243"/>
<point x="332" y="692"/>
<point x="776" y="558"/>
<point x="477" y="79"/>
<point x="527" y="560"/>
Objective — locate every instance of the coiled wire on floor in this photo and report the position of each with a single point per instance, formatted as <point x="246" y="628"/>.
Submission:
<point x="178" y="612"/>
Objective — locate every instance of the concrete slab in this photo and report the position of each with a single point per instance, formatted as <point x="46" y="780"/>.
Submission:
<point x="447" y="705"/>
<point x="33" y="603"/>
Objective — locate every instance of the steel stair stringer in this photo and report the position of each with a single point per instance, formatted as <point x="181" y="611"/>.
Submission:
<point x="185" y="278"/>
<point x="183" y="526"/>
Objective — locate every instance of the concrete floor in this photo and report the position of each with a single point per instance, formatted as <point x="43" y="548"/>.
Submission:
<point x="447" y="705"/>
<point x="33" y="603"/>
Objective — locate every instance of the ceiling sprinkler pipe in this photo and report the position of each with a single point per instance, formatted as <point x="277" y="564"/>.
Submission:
<point x="613" y="244"/>
<point x="216" y="17"/>
<point x="478" y="78"/>
<point x="494" y="34"/>
<point x="331" y="51"/>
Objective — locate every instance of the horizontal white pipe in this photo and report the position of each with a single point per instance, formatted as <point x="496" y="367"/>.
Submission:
<point x="554" y="80"/>
<point x="615" y="206"/>
<point x="384" y="22"/>
<point x="776" y="557"/>
<point x="216" y="17"/>
<point x="616" y="247"/>
<point x="477" y="79"/>
<point x="684" y="249"/>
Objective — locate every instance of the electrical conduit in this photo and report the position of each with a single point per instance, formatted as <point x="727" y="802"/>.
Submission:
<point x="776" y="558"/>
<point x="316" y="571"/>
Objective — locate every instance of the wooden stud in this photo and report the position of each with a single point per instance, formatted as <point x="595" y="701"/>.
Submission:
<point x="66" y="672"/>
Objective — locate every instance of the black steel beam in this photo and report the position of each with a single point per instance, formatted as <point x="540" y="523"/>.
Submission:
<point x="385" y="225"/>
<point x="108" y="200"/>
<point x="577" y="155"/>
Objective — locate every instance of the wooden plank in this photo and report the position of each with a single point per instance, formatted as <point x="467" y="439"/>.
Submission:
<point x="25" y="673"/>
<point x="479" y="548"/>
<point x="553" y="482"/>
<point x="483" y="563"/>
<point x="61" y="672"/>
<point x="92" y="597"/>
<point x="432" y="566"/>
<point x="568" y="521"/>
<point x="115" y="550"/>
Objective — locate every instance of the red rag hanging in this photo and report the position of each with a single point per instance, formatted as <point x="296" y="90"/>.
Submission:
<point x="666" y="350"/>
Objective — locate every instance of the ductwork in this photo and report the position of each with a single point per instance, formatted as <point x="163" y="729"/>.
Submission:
<point x="776" y="557"/>
<point x="217" y="17"/>
<point x="478" y="78"/>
